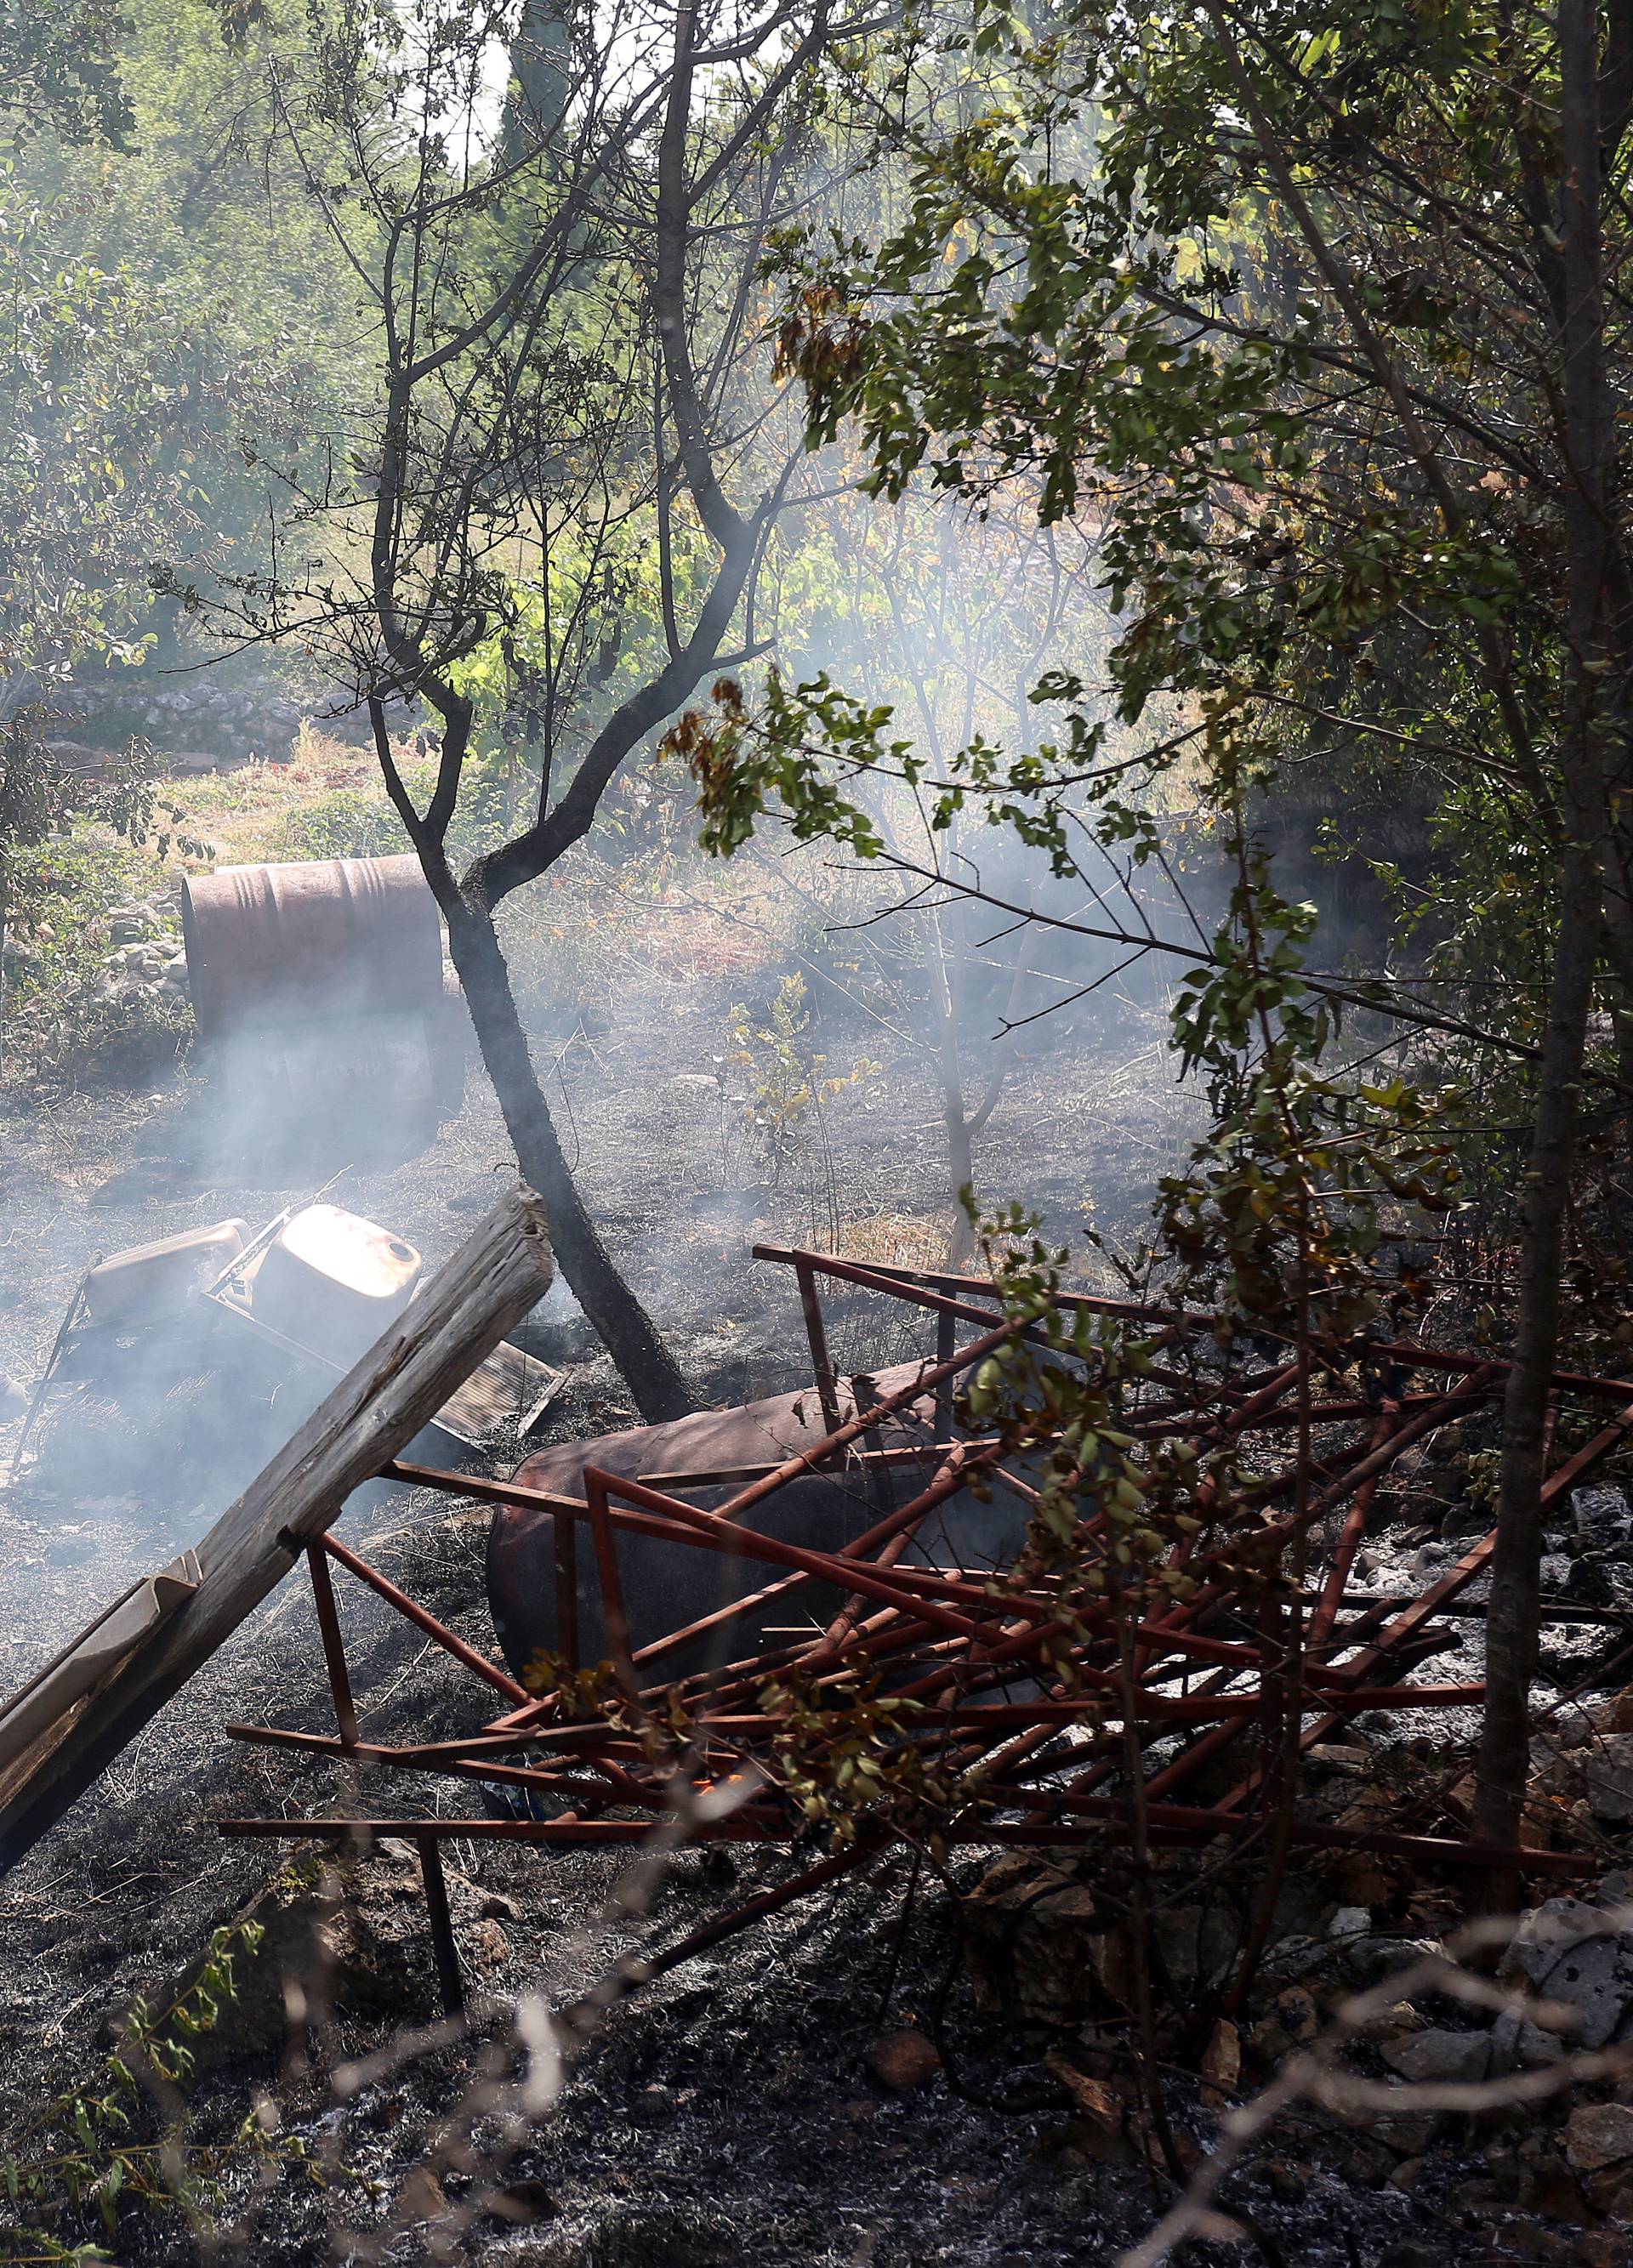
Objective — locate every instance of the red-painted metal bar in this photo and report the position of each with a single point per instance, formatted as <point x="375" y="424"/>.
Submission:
<point x="1349" y="1538"/>
<point x="334" y="1646"/>
<point x="815" y="1331"/>
<point x="615" y="1621"/>
<point x="896" y="1590"/>
<point x="449" y="1640"/>
<point x="811" y="1459"/>
<point x="1398" y="1352"/>
<point x="1457" y="1578"/>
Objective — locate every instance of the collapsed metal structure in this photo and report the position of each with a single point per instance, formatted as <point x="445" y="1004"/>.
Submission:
<point x="1035" y="1719"/>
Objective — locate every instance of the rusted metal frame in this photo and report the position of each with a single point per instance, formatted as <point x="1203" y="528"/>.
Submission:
<point x="817" y="1332"/>
<point x="810" y="1459"/>
<point x="526" y="1499"/>
<point x="951" y="1473"/>
<point x="1269" y="1542"/>
<point x="441" y="1924"/>
<point x="946" y="1335"/>
<point x="1175" y="1633"/>
<point x="566" y="1509"/>
<point x="882" y="1276"/>
<point x="334" y="1646"/>
<point x="1349" y="1539"/>
<point x="569" y="1510"/>
<point x="1202" y="1708"/>
<point x="624" y="1787"/>
<point x="868" y="1279"/>
<point x="1457" y="1578"/>
<point x="1405" y="1352"/>
<point x="423" y="1619"/>
<point x="1185" y="1827"/>
<point x="973" y="1456"/>
<point x="714" y="1531"/>
<point x="945" y="1306"/>
<point x="1199" y="1750"/>
<point x="1224" y="1429"/>
<point x="722" y="1685"/>
<point x="556" y="1743"/>
<point x="910" y="1452"/>
<point x="615" y="1619"/>
<point x="884" y="1635"/>
<point x="1322" y="1413"/>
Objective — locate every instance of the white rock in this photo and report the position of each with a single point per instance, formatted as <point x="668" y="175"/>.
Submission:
<point x="1440" y="2055"/>
<point x="1350" y="1921"/>
<point x="1604" y="1509"/>
<point x="1555" y="1953"/>
<point x="1610" y="1779"/>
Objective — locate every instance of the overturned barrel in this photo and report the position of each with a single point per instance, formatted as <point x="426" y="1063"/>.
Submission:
<point x="318" y="991"/>
<point x="267" y="943"/>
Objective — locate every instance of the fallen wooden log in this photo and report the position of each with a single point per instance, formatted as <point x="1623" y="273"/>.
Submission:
<point x="104" y="1696"/>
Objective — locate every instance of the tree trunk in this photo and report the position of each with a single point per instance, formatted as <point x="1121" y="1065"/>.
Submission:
<point x="961" y="1174"/>
<point x="1589" y="444"/>
<point x="626" y="1330"/>
<point x="1512" y="1616"/>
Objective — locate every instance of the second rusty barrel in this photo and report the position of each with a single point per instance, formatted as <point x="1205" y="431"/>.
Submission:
<point x="323" y="936"/>
<point x="318" y="990"/>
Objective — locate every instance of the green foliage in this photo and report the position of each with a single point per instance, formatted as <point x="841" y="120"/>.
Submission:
<point x="1106" y="293"/>
<point x="347" y="823"/>
<point x="787" y="1086"/>
<point x="60" y="70"/>
<point x="846" y="1760"/>
<point x="1275" y="1222"/>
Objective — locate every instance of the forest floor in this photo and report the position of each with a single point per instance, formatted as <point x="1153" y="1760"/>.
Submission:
<point x="730" y="2112"/>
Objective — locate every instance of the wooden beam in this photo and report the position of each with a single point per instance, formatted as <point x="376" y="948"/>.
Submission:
<point x="497" y="1276"/>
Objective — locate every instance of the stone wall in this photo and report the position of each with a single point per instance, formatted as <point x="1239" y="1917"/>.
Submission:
<point x="204" y="721"/>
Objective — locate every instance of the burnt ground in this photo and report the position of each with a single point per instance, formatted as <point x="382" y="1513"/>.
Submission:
<point x="729" y="2112"/>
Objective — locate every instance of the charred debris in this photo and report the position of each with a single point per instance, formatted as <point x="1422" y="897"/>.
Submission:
<point x="1204" y="1804"/>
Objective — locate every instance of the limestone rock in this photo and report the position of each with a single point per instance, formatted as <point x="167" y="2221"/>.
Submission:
<point x="1603" y="2248"/>
<point x="421" y="2198"/>
<point x="1600" y="2134"/>
<point x="1440" y="2056"/>
<point x="1393" y="2023"/>
<point x="1093" y="2096"/>
<point x="1409" y="2133"/>
<point x="1291" y="2021"/>
<point x="490" y="1947"/>
<point x="1609" y="1771"/>
<point x="1371" y="1959"/>
<point x="1221" y="2063"/>
<point x="1589" y="1976"/>
<point x="1039" y="1944"/>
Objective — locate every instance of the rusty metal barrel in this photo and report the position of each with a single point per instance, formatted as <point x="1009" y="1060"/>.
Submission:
<point x="318" y="993"/>
<point x="267" y="943"/>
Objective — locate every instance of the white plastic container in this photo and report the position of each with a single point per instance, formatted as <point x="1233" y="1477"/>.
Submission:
<point x="332" y="1281"/>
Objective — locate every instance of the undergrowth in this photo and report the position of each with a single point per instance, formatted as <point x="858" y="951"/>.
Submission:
<point x="81" y="993"/>
<point x="121" y="2142"/>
